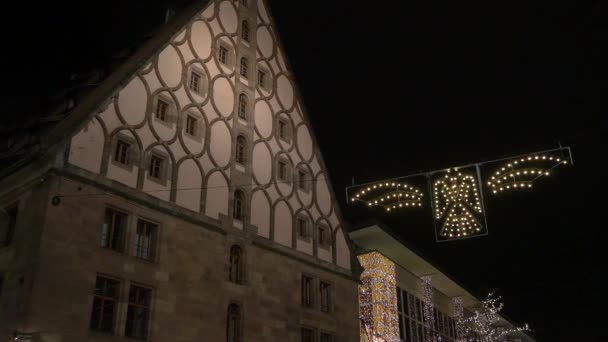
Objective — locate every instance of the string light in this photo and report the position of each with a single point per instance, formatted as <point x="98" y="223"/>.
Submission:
<point x="378" y="298"/>
<point x="457" y="205"/>
<point x="484" y="323"/>
<point x="389" y="195"/>
<point x="521" y="173"/>
<point x="459" y="318"/>
<point x="429" y="317"/>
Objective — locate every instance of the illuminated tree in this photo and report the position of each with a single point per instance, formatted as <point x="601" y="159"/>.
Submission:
<point x="485" y="324"/>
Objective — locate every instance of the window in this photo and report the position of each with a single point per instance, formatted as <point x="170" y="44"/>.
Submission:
<point x="244" y="67"/>
<point x="6" y="235"/>
<point x="245" y="30"/>
<point x="323" y="236"/>
<point x="238" y="211"/>
<point x="308" y="335"/>
<point x="145" y="240"/>
<point x="283" y="171"/>
<point x="324" y="288"/>
<point x="121" y="155"/>
<point x="307" y="291"/>
<point x="262" y="78"/>
<point x="243" y="102"/>
<point x="233" y="326"/>
<point x="325" y="337"/>
<point x="244" y="3"/>
<point x="303" y="181"/>
<point x="156" y="166"/>
<point x="236" y="270"/>
<point x="241" y="146"/>
<point x="223" y="54"/>
<point x="138" y="312"/>
<point x="162" y="110"/>
<point x="283" y="129"/>
<point x="105" y="302"/>
<point x="191" y="125"/>
<point x="196" y="82"/>
<point x="113" y="230"/>
<point x="302" y="227"/>
<point x="411" y="320"/>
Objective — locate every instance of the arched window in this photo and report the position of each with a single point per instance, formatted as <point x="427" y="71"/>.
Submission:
<point x="236" y="265"/>
<point x="245" y="30"/>
<point x="238" y="210"/>
<point x="244" y="67"/>
<point x="233" y="324"/>
<point x="243" y="102"/>
<point x="241" y="149"/>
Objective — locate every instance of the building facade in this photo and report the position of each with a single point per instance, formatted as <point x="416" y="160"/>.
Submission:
<point x="396" y="284"/>
<point x="183" y="198"/>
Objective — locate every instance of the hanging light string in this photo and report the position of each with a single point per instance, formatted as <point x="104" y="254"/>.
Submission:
<point x="64" y="195"/>
<point x="509" y="177"/>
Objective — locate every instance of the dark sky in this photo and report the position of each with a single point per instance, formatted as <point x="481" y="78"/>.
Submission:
<point x="394" y="88"/>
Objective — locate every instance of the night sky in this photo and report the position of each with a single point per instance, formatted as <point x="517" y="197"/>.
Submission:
<point x="394" y="90"/>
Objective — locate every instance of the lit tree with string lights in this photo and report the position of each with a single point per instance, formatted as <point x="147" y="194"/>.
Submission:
<point x="484" y="325"/>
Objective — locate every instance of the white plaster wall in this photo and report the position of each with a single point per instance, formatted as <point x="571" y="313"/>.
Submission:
<point x="215" y="110"/>
<point x="260" y="213"/>
<point x="217" y="196"/>
<point x="342" y="251"/>
<point x="189" y="177"/>
<point x="283" y="224"/>
<point x="303" y="246"/>
<point x="86" y="148"/>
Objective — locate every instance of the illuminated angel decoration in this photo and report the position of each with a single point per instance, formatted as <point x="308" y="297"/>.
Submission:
<point x="457" y="205"/>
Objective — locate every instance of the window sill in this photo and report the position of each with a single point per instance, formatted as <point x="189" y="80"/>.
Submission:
<point x="306" y="239"/>
<point x="152" y="262"/>
<point x="112" y="250"/>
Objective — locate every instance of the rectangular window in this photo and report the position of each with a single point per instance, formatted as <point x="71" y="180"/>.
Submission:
<point x="262" y="78"/>
<point x="308" y="335"/>
<point x="6" y="234"/>
<point x="322" y="236"/>
<point x="282" y="170"/>
<point x="302" y="231"/>
<point x="325" y="337"/>
<point x="162" y="110"/>
<point x="121" y="154"/>
<point x="195" y="82"/>
<point x="138" y="312"/>
<point x="113" y="230"/>
<point x="156" y="164"/>
<point x="283" y="132"/>
<point x="145" y="240"/>
<point x="223" y="55"/>
<point x="303" y="180"/>
<point x="325" y="290"/>
<point x="191" y="125"/>
<point x="105" y="302"/>
<point x="307" y="291"/>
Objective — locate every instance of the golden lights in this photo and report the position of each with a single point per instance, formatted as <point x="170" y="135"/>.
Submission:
<point x="389" y="195"/>
<point x="522" y="172"/>
<point x="378" y="297"/>
<point x="457" y="205"/>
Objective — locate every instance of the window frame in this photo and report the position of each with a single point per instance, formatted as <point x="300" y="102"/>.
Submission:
<point x="307" y="291"/>
<point x="147" y="308"/>
<point x="245" y="31"/>
<point x="323" y="236"/>
<point x="237" y="317"/>
<point x="283" y="170"/>
<point x="325" y="307"/>
<point x="224" y="54"/>
<point x="241" y="150"/>
<point x="284" y="129"/>
<point x="202" y="86"/>
<point x="191" y="126"/>
<point x="299" y="235"/>
<point x="239" y="208"/>
<point x="138" y="242"/>
<point x="12" y="211"/>
<point x="122" y="151"/>
<point x="162" y="115"/>
<point x="123" y="233"/>
<point x="244" y="67"/>
<point x="236" y="276"/>
<point x="243" y="106"/>
<point x="104" y="299"/>
<point x="310" y="331"/>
